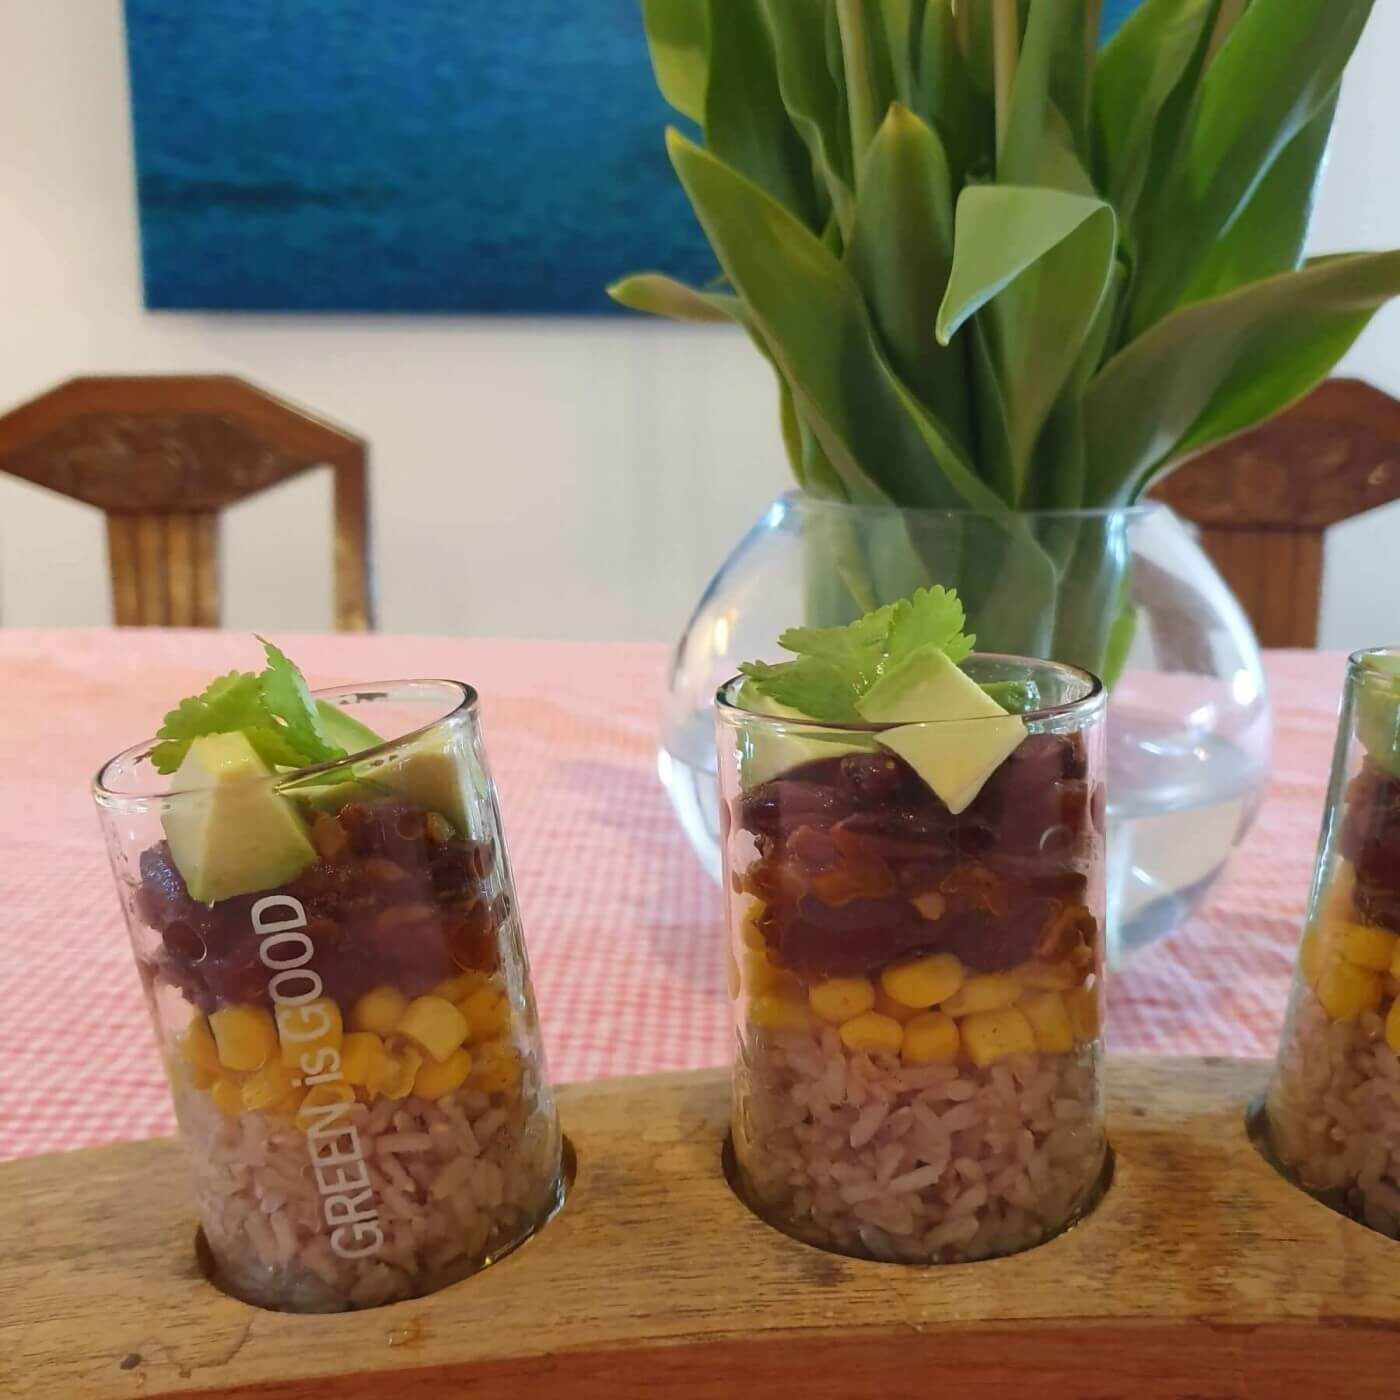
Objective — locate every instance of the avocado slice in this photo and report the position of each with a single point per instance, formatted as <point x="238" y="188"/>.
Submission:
<point x="1015" y="697"/>
<point x="340" y="727"/>
<point x="230" y="831"/>
<point x="766" y="753"/>
<point x="969" y="735"/>
<point x="956" y="757"/>
<point x="435" y="774"/>
<point x="926" y="685"/>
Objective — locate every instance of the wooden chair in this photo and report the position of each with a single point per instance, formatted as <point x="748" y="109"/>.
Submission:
<point x="1264" y="500"/>
<point x="162" y="455"/>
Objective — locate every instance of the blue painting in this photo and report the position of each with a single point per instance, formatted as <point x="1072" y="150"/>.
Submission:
<point x="403" y="155"/>
<point x="400" y="155"/>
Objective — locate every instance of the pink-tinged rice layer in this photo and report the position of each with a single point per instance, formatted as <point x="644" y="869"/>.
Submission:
<point x="1334" y="1111"/>
<point x="931" y="1164"/>
<point x="457" y="1182"/>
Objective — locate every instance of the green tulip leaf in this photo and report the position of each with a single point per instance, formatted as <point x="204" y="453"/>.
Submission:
<point x="746" y="124"/>
<point x="678" y="36"/>
<point x="1277" y="70"/>
<point x="1268" y="238"/>
<point x="810" y="94"/>
<point x="900" y="253"/>
<point x="664" y="296"/>
<point x="1215" y="368"/>
<point x="1042" y="259"/>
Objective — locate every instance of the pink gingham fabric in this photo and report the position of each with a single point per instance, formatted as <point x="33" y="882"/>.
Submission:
<point x="623" y="926"/>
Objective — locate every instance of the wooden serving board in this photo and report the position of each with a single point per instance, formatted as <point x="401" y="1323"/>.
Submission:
<point x="1202" y="1274"/>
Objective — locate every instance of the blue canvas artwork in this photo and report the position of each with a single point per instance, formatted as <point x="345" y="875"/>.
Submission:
<point x="400" y="155"/>
<point x="403" y="155"/>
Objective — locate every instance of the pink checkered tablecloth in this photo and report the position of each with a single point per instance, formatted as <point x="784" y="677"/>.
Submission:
<point x="622" y="924"/>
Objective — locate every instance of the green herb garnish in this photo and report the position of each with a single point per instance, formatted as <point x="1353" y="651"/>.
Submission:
<point x="273" y="709"/>
<point x="836" y="666"/>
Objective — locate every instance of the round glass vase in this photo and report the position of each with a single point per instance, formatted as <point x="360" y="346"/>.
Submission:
<point x="1125" y="593"/>
<point x="917" y="981"/>
<point x="1331" y="1115"/>
<point x="334" y="968"/>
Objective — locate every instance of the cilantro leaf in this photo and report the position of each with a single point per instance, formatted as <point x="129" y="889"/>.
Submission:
<point x="286" y="698"/>
<point x="835" y="666"/>
<point x="273" y="710"/>
<point x="231" y="702"/>
<point x="932" y="617"/>
<point x="818" y="688"/>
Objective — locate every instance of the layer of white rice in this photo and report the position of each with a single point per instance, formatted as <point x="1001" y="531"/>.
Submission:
<point x="457" y="1182"/>
<point x="1334" y="1111"/>
<point x="936" y="1164"/>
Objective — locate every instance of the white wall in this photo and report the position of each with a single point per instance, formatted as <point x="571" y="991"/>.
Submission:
<point x="571" y="479"/>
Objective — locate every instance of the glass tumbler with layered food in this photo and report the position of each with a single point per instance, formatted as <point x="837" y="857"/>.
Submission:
<point x="914" y="848"/>
<point x="323" y="917"/>
<point x="1332" y="1111"/>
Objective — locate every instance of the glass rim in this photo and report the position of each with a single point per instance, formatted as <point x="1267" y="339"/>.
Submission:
<point x="1361" y="665"/>
<point x="1092" y="700"/>
<point x="465" y="702"/>
<point x="801" y="500"/>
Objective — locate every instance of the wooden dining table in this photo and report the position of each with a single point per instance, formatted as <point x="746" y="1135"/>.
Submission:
<point x="623" y="925"/>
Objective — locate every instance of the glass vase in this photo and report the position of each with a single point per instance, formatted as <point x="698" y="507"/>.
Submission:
<point x="1125" y="593"/>
<point x="917" y="985"/>
<point x="1332" y="1112"/>
<point x="334" y="967"/>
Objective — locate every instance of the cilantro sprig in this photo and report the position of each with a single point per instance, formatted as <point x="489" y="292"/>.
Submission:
<point x="272" y="708"/>
<point x="835" y="666"/>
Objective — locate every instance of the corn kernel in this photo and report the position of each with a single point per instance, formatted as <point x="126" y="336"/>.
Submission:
<point x="733" y="978"/>
<point x="305" y="1029"/>
<point x="1346" y="990"/>
<point x="1368" y="947"/>
<point x="1315" y="951"/>
<point x="1392" y="1026"/>
<point x="321" y="1096"/>
<point x="435" y="1025"/>
<point x="886" y="1005"/>
<point x="770" y="1012"/>
<point x="434" y="1080"/>
<point x="1049" y="1018"/>
<point x="379" y="1011"/>
<point x="989" y="1036"/>
<point x="401" y="1066"/>
<point x="873" y="1033"/>
<point x="923" y="982"/>
<point x="760" y="975"/>
<point x="1047" y="976"/>
<point x="839" y="998"/>
<point x="363" y="1062"/>
<point x="750" y="935"/>
<point x="245" y="1036"/>
<point x="989" y="991"/>
<point x="227" y="1097"/>
<point x="495" y="1068"/>
<point x="1085" y="1012"/>
<point x="487" y="1012"/>
<point x="197" y="1046"/>
<point x="463" y="985"/>
<point x="931" y="1038"/>
<point x="267" y="1086"/>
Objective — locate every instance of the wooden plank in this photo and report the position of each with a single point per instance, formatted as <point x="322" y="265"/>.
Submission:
<point x="150" y="574"/>
<point x="1307" y="587"/>
<point x="208" y="595"/>
<point x="124" y="568"/>
<point x="1202" y="1273"/>
<point x="179" y="569"/>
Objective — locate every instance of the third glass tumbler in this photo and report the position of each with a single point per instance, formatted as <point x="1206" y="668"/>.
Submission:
<point x="334" y="966"/>
<point x="918" y="984"/>
<point x="1332" y="1115"/>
